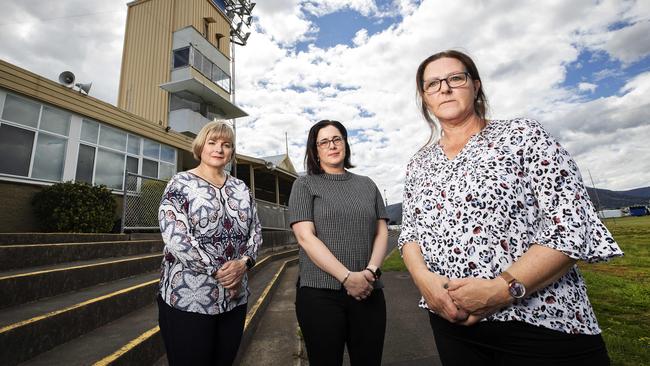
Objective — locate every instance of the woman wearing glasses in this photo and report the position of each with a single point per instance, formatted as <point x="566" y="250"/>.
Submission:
<point x="339" y="220"/>
<point x="495" y="216"/>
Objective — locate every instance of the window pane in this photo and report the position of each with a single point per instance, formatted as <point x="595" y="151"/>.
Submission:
<point x="181" y="57"/>
<point x="151" y="149"/>
<point x="89" y="131"/>
<point x="56" y="121"/>
<point x="110" y="137"/>
<point x="21" y="111"/>
<point x="85" y="163"/>
<point x="109" y="169"/>
<point x="134" y="145"/>
<point x="167" y="154"/>
<point x="206" y="68"/>
<point x="198" y="60"/>
<point x="132" y="164"/>
<point x="15" y="150"/>
<point x="49" y="157"/>
<point x="166" y="171"/>
<point x="149" y="168"/>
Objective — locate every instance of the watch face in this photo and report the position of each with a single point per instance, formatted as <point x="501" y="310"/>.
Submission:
<point x="517" y="290"/>
<point x="378" y="272"/>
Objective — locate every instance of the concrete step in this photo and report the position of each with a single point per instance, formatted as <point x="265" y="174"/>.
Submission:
<point x="275" y="341"/>
<point x="261" y="283"/>
<point x="51" y="238"/>
<point x="32" y="255"/>
<point x="102" y="342"/>
<point x="19" y="287"/>
<point x="30" y="329"/>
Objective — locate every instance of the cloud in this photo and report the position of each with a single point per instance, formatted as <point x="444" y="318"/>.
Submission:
<point x="523" y="51"/>
<point x="587" y="87"/>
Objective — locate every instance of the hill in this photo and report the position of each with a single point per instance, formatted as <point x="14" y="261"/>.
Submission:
<point x="608" y="199"/>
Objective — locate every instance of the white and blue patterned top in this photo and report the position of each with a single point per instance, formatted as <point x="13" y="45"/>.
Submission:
<point x="203" y="227"/>
<point x="510" y="187"/>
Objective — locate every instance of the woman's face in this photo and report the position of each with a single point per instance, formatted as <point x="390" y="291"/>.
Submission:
<point x="216" y="152"/>
<point x="330" y="146"/>
<point x="449" y="104"/>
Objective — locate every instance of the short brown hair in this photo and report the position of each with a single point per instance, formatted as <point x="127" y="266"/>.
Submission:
<point x="218" y="129"/>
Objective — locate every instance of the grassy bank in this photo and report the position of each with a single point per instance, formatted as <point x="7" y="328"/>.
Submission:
<point x="619" y="291"/>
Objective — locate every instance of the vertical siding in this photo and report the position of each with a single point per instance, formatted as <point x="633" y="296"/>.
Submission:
<point x="146" y="60"/>
<point x="192" y="12"/>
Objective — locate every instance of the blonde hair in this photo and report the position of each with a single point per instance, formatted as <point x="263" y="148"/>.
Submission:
<point x="215" y="129"/>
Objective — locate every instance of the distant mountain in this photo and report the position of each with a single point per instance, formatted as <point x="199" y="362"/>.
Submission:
<point x="618" y="199"/>
<point x="608" y="200"/>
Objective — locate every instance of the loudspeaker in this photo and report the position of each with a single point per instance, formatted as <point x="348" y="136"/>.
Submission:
<point x="84" y="87"/>
<point x="66" y="78"/>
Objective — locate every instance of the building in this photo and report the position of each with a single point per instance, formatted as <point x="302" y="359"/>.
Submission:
<point x="176" y="76"/>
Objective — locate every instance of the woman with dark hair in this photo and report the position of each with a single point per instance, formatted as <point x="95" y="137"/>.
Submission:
<point x="339" y="220"/>
<point x="495" y="216"/>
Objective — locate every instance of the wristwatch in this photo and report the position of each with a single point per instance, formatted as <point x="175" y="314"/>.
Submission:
<point x="376" y="273"/>
<point x="250" y="263"/>
<point x="516" y="289"/>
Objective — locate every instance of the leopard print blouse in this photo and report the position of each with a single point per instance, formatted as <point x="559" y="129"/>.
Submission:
<point x="511" y="186"/>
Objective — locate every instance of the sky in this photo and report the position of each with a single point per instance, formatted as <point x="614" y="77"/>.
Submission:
<point x="582" y="68"/>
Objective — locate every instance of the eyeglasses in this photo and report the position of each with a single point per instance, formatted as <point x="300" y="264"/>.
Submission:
<point x="453" y="81"/>
<point x="325" y="143"/>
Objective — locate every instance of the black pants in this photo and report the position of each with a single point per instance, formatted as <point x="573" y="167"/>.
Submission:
<point x="514" y="343"/>
<point x="199" y="339"/>
<point x="330" y="319"/>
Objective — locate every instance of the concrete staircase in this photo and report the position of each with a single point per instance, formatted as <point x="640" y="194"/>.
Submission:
<point x="84" y="299"/>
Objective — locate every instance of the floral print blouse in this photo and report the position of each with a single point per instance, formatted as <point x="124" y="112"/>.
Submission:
<point x="510" y="187"/>
<point x="203" y="227"/>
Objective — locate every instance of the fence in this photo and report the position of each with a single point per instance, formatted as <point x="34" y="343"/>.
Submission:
<point x="141" y="201"/>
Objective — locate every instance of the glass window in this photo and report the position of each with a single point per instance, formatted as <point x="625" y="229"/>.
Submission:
<point x="21" y="111"/>
<point x="166" y="171"/>
<point x="110" y="137"/>
<point x="197" y="61"/>
<point x="220" y="78"/>
<point x="133" y="145"/>
<point x="206" y="68"/>
<point x="89" y="131"/>
<point x="85" y="163"/>
<point x="109" y="169"/>
<point x="149" y="168"/>
<point x="49" y="157"/>
<point x="167" y="154"/>
<point x="56" y="121"/>
<point x="15" y="149"/>
<point x="151" y="149"/>
<point x="182" y="57"/>
<point x="132" y="164"/>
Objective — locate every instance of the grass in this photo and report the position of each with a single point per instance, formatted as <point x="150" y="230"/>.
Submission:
<point x="619" y="291"/>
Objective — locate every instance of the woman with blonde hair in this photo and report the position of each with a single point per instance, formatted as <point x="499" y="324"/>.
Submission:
<point x="211" y="231"/>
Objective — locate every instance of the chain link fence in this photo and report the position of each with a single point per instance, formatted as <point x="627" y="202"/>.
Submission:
<point x="141" y="202"/>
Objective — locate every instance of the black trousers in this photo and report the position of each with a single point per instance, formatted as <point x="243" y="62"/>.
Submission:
<point x="514" y="343"/>
<point x="331" y="319"/>
<point x="199" y="339"/>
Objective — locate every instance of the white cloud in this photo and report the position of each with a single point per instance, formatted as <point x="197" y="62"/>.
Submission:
<point x="522" y="50"/>
<point x="587" y="87"/>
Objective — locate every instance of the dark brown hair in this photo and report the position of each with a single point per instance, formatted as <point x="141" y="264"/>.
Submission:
<point x="311" y="153"/>
<point x="480" y="102"/>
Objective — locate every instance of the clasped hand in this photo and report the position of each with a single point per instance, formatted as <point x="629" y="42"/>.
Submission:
<point x="463" y="301"/>
<point x="230" y="276"/>
<point x="359" y="284"/>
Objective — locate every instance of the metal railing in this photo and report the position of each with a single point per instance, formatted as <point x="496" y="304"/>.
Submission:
<point x="141" y="200"/>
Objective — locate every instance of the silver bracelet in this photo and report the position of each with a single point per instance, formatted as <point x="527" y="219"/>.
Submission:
<point x="346" y="278"/>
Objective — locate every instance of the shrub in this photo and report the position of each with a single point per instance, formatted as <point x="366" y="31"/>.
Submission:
<point x="75" y="207"/>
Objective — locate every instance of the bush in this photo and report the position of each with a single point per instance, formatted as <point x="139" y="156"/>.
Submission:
<point x="75" y="207"/>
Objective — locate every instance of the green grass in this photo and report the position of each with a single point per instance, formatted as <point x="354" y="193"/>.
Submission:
<point x="619" y="291"/>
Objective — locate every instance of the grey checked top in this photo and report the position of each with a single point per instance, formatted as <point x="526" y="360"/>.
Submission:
<point x="344" y="209"/>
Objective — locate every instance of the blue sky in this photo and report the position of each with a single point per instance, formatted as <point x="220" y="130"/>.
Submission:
<point x="581" y="67"/>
